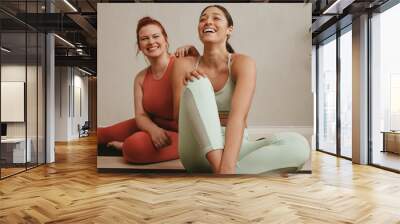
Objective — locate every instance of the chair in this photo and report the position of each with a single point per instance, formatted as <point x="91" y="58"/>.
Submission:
<point x="84" y="130"/>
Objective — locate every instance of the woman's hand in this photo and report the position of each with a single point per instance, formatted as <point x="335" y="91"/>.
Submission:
<point x="160" y="138"/>
<point x="187" y="50"/>
<point x="192" y="75"/>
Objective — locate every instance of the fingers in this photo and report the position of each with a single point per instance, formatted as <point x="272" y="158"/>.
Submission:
<point x="193" y="75"/>
<point x="185" y="52"/>
<point x="182" y="52"/>
<point x="197" y="74"/>
<point x="158" y="144"/>
<point x="166" y="139"/>
<point x="162" y="141"/>
<point x="178" y="52"/>
<point x="187" y="78"/>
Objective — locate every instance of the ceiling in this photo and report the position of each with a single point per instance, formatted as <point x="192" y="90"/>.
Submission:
<point x="76" y="22"/>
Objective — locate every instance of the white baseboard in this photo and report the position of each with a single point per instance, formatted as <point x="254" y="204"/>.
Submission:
<point x="264" y="131"/>
<point x="308" y="130"/>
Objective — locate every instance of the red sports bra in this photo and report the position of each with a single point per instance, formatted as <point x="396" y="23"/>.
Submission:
<point x="157" y="98"/>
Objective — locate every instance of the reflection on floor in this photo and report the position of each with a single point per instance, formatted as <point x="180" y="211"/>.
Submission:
<point x="387" y="159"/>
<point x="10" y="171"/>
<point x="11" y="168"/>
<point x="72" y="191"/>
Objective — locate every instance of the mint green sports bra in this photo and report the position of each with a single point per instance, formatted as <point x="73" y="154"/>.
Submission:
<point x="223" y="97"/>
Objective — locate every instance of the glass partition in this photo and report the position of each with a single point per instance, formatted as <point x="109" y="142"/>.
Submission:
<point x="346" y="93"/>
<point x="22" y="88"/>
<point x="14" y="153"/>
<point x="327" y="96"/>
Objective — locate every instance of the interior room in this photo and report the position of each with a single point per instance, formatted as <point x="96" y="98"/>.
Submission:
<point x="67" y="69"/>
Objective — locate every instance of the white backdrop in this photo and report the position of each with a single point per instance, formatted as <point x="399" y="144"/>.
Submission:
<point x="276" y="35"/>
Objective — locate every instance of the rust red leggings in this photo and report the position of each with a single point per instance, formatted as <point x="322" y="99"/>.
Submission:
<point x="137" y="145"/>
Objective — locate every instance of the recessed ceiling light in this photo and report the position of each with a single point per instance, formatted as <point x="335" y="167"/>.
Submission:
<point x="5" y="50"/>
<point x="84" y="71"/>
<point x="337" y="7"/>
<point x="64" y="40"/>
<point x="70" y="5"/>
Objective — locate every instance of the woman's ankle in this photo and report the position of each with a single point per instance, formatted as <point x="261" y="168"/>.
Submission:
<point x="214" y="158"/>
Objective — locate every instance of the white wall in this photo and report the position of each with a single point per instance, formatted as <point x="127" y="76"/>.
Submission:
<point x="281" y="47"/>
<point x="80" y="83"/>
<point x="61" y="103"/>
<point x="66" y="119"/>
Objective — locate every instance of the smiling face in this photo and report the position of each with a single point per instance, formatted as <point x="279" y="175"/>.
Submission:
<point x="151" y="41"/>
<point x="213" y="26"/>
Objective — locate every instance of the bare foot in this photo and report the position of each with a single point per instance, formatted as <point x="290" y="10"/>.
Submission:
<point x="115" y="144"/>
<point x="284" y="174"/>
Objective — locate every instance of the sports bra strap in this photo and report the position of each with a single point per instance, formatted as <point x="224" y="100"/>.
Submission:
<point x="229" y="64"/>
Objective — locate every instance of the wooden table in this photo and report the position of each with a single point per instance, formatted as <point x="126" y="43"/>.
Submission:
<point x="391" y="141"/>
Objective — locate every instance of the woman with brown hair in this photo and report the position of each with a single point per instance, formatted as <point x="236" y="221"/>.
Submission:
<point x="214" y="105"/>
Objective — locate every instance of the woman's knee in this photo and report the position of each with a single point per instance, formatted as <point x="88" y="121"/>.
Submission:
<point x="198" y="87"/>
<point x="137" y="147"/>
<point x="297" y="143"/>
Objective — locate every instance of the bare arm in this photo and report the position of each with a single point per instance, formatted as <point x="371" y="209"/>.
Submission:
<point x="244" y="69"/>
<point x="178" y="76"/>
<point x="143" y="121"/>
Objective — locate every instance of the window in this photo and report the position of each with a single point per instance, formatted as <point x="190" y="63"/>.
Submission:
<point x="346" y="93"/>
<point x="327" y="96"/>
<point x="385" y="89"/>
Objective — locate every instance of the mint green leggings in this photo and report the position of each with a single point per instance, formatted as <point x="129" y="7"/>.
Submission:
<point x="200" y="132"/>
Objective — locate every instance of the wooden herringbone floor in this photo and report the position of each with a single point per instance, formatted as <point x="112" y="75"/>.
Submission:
<point x="71" y="191"/>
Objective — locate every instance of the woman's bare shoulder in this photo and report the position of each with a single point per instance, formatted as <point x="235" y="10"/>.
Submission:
<point x="185" y="62"/>
<point x="241" y="59"/>
<point x="242" y="64"/>
<point x="140" y="75"/>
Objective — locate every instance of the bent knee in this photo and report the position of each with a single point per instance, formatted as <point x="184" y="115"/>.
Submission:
<point x="297" y="145"/>
<point x="200" y="84"/>
<point x="102" y="136"/>
<point x="137" y="147"/>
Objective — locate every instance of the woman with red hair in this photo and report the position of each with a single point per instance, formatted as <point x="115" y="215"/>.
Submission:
<point x="152" y="135"/>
